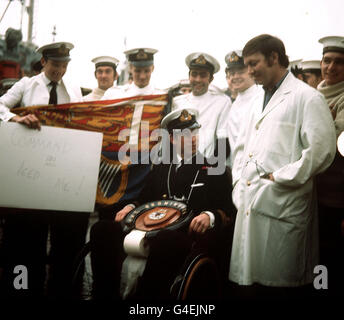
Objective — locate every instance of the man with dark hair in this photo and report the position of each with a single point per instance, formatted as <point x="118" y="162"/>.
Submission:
<point x="266" y="44"/>
<point x="289" y="138"/>
<point x="106" y="75"/>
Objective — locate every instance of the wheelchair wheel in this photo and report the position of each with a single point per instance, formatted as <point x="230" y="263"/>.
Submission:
<point x="199" y="280"/>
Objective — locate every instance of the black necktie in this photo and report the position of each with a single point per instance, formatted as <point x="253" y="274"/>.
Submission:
<point x="53" y="94"/>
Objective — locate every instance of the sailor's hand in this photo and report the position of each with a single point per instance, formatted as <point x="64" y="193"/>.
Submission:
<point x="29" y="120"/>
<point x="200" y="224"/>
<point x="120" y="215"/>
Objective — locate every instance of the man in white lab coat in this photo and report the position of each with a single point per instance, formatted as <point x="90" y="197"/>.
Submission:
<point x="289" y="138"/>
<point x="25" y="231"/>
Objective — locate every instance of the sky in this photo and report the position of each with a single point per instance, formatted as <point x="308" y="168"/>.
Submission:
<point x="175" y="28"/>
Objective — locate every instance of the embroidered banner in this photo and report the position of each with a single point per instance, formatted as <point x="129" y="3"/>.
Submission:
<point x="124" y="123"/>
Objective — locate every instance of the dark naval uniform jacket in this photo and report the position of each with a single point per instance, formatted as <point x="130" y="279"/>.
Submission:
<point x="170" y="251"/>
<point x="210" y="192"/>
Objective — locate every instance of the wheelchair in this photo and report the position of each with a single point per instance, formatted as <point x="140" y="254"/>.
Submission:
<point x="199" y="277"/>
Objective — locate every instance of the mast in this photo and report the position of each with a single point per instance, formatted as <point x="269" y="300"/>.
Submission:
<point x="30" y="10"/>
<point x="54" y="33"/>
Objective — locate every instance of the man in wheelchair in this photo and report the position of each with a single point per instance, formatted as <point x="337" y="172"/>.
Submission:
<point x="180" y="224"/>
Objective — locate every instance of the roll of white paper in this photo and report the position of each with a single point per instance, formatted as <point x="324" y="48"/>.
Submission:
<point x="135" y="244"/>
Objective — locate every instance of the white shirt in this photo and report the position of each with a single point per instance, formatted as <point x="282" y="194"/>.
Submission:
<point x="130" y="90"/>
<point x="35" y="91"/>
<point x="95" y="95"/>
<point x="239" y="113"/>
<point x="213" y="110"/>
<point x="62" y="94"/>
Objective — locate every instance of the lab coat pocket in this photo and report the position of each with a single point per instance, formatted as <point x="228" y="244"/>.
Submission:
<point x="279" y="202"/>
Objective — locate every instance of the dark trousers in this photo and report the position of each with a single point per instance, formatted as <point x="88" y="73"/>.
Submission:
<point x="107" y="255"/>
<point x="331" y="241"/>
<point x="24" y="242"/>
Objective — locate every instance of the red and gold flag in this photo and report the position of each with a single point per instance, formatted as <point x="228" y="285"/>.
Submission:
<point x="117" y="181"/>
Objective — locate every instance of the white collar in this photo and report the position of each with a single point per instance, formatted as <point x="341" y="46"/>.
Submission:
<point x="201" y="96"/>
<point x="138" y="88"/>
<point x="46" y="80"/>
<point x="248" y="91"/>
<point x="180" y="159"/>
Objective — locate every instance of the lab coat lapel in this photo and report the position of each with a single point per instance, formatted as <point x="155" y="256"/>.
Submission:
<point x="278" y="96"/>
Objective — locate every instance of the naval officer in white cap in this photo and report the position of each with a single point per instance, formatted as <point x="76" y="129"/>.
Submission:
<point x="213" y="106"/>
<point x="246" y="89"/>
<point x="211" y="206"/>
<point x="106" y="74"/>
<point x="48" y="87"/>
<point x="330" y="184"/>
<point x="141" y="64"/>
<point x="311" y="72"/>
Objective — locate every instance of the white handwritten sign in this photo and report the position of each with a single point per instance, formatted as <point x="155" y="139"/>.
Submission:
<point x="50" y="169"/>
